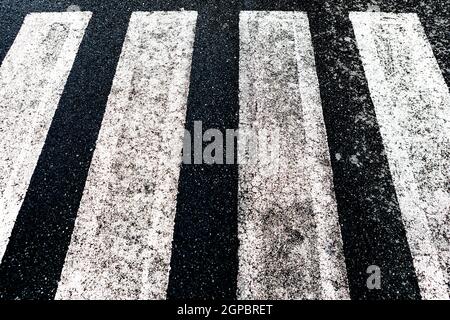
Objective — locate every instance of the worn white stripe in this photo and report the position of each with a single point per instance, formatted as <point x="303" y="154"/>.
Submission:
<point x="32" y="78"/>
<point x="121" y="244"/>
<point x="412" y="104"/>
<point x="290" y="241"/>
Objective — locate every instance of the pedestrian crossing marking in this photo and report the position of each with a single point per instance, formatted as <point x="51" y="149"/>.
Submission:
<point x="290" y="242"/>
<point x="32" y="78"/>
<point x="121" y="243"/>
<point x="412" y="104"/>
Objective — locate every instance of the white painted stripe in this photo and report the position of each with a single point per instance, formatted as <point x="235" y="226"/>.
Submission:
<point x="121" y="245"/>
<point x="412" y="104"/>
<point x="290" y="241"/>
<point x="32" y="78"/>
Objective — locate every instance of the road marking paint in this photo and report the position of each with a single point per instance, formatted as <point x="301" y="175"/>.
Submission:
<point x="290" y="240"/>
<point x="121" y="244"/>
<point x="412" y="104"/>
<point x="32" y="79"/>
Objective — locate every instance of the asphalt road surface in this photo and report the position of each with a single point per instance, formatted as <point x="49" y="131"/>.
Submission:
<point x="102" y="196"/>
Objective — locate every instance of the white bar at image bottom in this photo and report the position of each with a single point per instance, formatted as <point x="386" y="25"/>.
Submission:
<point x="290" y="239"/>
<point x="122" y="241"/>
<point x="32" y="79"/>
<point x="412" y="104"/>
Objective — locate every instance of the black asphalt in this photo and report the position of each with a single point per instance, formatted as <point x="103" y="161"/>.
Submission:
<point x="204" y="258"/>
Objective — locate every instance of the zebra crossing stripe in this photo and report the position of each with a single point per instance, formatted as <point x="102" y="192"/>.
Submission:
<point x="370" y="218"/>
<point x="32" y="78"/>
<point x="290" y="240"/>
<point x="34" y="257"/>
<point x="412" y="104"/>
<point x="121" y="244"/>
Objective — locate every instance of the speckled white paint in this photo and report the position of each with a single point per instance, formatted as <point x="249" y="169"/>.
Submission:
<point x="32" y="78"/>
<point x="290" y="240"/>
<point x="412" y="104"/>
<point x="121" y="245"/>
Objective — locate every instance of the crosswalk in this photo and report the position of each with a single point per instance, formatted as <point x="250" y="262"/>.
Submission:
<point x="288" y="219"/>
